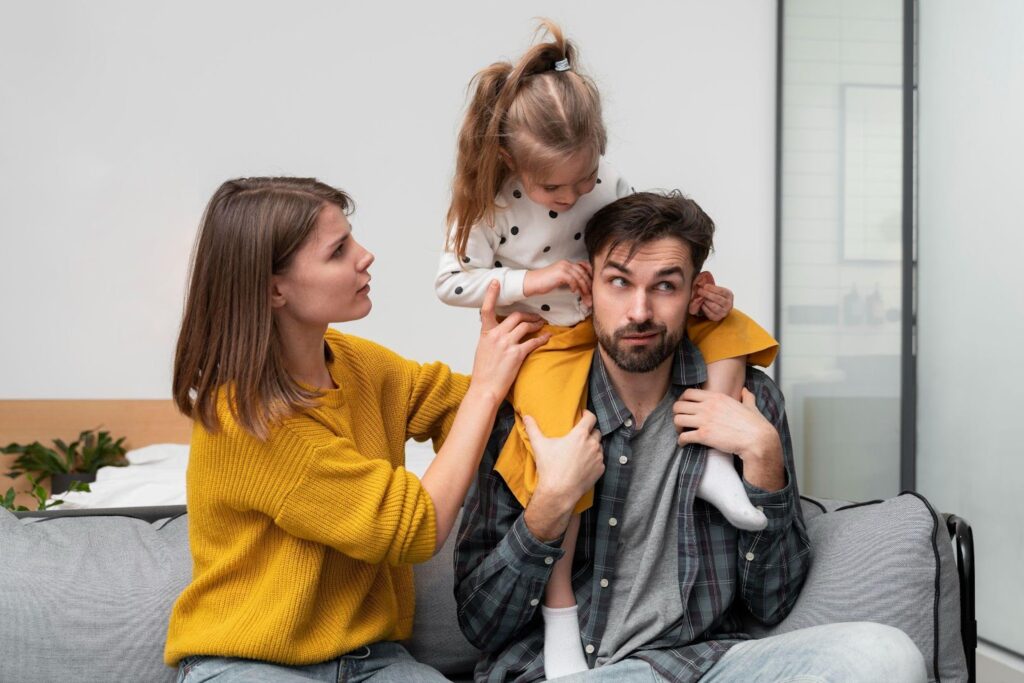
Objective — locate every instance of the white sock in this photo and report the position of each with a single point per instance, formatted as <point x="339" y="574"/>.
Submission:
<point x="720" y="485"/>
<point x="563" y="651"/>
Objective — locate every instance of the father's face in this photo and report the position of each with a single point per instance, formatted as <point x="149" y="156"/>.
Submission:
<point x="640" y="302"/>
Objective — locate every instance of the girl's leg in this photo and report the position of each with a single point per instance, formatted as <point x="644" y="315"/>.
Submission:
<point x="563" y="649"/>
<point x="720" y="484"/>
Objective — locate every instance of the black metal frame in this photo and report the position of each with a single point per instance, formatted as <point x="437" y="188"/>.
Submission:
<point x="963" y="540"/>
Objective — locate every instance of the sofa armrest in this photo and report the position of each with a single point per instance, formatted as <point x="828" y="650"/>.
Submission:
<point x="963" y="540"/>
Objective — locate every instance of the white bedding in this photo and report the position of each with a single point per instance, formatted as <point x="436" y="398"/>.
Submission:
<point x="156" y="476"/>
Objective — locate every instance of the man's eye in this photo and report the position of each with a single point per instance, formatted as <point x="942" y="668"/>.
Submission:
<point x="666" y="286"/>
<point x="618" y="282"/>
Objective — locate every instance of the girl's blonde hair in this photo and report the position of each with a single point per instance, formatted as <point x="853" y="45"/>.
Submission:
<point x="250" y="230"/>
<point x="530" y="113"/>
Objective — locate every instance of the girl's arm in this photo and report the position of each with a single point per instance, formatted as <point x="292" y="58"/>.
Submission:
<point x="465" y="283"/>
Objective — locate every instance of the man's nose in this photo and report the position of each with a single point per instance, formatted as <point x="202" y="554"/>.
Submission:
<point x="639" y="307"/>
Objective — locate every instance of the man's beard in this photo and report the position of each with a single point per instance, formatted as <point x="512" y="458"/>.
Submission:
<point x="639" y="359"/>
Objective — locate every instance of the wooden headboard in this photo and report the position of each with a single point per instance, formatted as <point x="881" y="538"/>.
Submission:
<point x="143" y="422"/>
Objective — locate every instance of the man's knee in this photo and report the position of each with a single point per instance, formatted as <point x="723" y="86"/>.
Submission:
<point x="883" y="653"/>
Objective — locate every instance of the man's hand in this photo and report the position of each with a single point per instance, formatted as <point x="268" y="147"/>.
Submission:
<point x="721" y="422"/>
<point x="567" y="467"/>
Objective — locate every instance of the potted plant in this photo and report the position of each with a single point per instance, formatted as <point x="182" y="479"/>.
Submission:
<point x="76" y="461"/>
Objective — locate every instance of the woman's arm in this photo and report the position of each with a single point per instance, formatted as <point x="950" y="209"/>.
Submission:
<point x="499" y="353"/>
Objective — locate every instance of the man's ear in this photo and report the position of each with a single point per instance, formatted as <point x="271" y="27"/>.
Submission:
<point x="277" y="299"/>
<point x="696" y="297"/>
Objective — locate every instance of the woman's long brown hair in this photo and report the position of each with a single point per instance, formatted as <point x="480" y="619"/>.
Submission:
<point x="228" y="340"/>
<point x="528" y="114"/>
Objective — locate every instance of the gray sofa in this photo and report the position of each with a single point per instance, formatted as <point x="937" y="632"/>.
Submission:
<point x="85" y="594"/>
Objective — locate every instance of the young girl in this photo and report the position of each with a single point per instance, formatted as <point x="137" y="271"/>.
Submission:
<point x="529" y="175"/>
<point x="303" y="521"/>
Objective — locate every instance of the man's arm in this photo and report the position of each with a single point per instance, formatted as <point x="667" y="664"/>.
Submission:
<point x="501" y="568"/>
<point x="773" y="562"/>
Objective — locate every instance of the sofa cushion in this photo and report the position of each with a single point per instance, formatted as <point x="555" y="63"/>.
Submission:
<point x="88" y="598"/>
<point x="889" y="562"/>
<point x="437" y="640"/>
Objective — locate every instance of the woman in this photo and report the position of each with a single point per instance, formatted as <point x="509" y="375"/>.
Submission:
<point x="303" y="522"/>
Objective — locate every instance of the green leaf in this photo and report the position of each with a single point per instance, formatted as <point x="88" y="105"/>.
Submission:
<point x="75" y="485"/>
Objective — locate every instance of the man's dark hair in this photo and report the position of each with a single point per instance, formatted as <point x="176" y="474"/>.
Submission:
<point x="643" y="217"/>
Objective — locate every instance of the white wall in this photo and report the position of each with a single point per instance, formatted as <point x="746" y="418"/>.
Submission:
<point x="119" y="119"/>
<point x="971" y="289"/>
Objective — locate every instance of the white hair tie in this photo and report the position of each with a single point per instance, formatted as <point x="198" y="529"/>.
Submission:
<point x="562" y="65"/>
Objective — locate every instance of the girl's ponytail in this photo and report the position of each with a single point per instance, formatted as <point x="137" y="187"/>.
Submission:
<point x="535" y="113"/>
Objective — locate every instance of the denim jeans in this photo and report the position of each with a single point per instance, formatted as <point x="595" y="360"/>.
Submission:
<point x="855" y="652"/>
<point x="383" y="662"/>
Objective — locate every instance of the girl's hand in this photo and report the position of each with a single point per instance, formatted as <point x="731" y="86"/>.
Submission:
<point x="709" y="299"/>
<point x="576" y="275"/>
<point x="502" y="348"/>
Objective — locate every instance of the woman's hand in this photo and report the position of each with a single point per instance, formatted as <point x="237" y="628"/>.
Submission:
<point x="576" y="275"/>
<point x="502" y="346"/>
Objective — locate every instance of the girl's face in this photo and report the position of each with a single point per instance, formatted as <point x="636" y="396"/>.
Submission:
<point x="560" y="188"/>
<point x="328" y="280"/>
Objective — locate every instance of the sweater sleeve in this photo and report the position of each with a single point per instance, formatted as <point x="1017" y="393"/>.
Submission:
<point x="465" y="283"/>
<point x="434" y="400"/>
<point x="375" y="513"/>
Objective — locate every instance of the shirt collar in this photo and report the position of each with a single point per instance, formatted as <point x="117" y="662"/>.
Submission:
<point x="688" y="370"/>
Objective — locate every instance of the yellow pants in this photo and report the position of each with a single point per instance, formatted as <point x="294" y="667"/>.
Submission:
<point x="552" y="385"/>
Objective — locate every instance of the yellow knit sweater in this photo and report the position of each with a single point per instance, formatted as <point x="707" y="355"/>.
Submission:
<point x="302" y="545"/>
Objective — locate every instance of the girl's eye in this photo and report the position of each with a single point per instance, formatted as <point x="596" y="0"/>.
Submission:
<point x="550" y="188"/>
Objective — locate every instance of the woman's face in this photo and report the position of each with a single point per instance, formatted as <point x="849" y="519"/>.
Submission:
<point x="328" y="280"/>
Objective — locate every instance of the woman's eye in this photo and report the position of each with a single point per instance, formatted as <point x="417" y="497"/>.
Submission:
<point x="337" y="252"/>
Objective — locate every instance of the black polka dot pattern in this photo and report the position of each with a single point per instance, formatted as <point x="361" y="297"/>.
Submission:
<point x="545" y="307"/>
<point x="598" y="181"/>
<point x="577" y="235"/>
<point x="458" y="290"/>
<point x="517" y="194"/>
<point x="503" y="240"/>
<point x="497" y="264"/>
<point x="547" y="249"/>
<point x="553" y="214"/>
<point x="515" y="230"/>
<point x="465" y="259"/>
<point x="456" y="272"/>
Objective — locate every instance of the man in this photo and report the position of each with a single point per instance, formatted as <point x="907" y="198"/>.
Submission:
<point x="662" y="581"/>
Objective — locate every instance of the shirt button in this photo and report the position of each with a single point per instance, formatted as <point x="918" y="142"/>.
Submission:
<point x="628" y="422"/>
<point x="749" y="556"/>
<point x="623" y="460"/>
<point x="534" y="602"/>
<point x="604" y="583"/>
<point x="589" y="649"/>
<point x="612" y="521"/>
<point x="549" y="560"/>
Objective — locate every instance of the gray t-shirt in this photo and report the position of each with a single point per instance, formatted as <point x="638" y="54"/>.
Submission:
<point x="645" y="601"/>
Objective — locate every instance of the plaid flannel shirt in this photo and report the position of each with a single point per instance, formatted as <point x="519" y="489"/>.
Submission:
<point x="725" y="574"/>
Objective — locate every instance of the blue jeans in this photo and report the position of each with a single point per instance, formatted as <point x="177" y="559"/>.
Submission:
<point x="855" y="652"/>
<point x="383" y="662"/>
